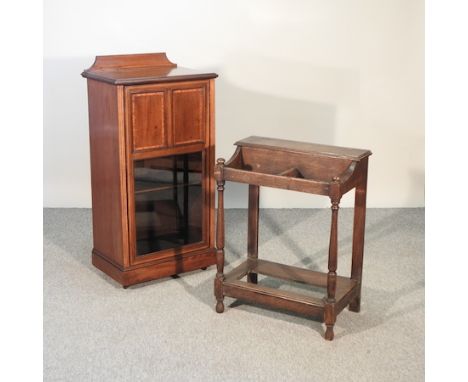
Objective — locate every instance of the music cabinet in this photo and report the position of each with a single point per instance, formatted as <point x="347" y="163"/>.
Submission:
<point x="152" y="143"/>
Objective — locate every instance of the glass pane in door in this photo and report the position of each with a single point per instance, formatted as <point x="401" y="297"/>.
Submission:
<point x="168" y="202"/>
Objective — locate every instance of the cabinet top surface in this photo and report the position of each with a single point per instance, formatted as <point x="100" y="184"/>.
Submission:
<point x="304" y="148"/>
<point x="135" y="69"/>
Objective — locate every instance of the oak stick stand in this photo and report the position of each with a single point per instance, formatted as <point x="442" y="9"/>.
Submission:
<point x="317" y="169"/>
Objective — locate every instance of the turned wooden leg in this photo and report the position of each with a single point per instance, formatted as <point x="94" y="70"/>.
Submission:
<point x="330" y="316"/>
<point x="218" y="284"/>
<point x="252" y="245"/>
<point x="358" y="237"/>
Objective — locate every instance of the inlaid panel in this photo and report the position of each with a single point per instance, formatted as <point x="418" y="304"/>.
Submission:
<point x="188" y="115"/>
<point x="149" y="129"/>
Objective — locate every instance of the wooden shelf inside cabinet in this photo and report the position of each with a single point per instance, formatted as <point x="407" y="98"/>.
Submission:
<point x="306" y="167"/>
<point x="152" y="157"/>
<point x="142" y="187"/>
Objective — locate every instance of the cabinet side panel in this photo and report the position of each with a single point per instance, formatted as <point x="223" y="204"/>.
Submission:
<point x="212" y="159"/>
<point x="107" y="148"/>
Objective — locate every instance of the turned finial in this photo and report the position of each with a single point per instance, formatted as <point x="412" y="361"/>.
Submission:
<point x="335" y="195"/>
<point x="219" y="170"/>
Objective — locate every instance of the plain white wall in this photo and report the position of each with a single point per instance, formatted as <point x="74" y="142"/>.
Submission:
<point x="342" y="72"/>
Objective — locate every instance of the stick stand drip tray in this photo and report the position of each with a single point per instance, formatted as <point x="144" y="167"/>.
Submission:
<point x="346" y="288"/>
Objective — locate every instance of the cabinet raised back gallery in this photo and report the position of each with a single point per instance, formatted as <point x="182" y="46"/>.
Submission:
<point x="152" y="145"/>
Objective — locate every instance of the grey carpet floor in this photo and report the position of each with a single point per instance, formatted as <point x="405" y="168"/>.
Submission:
<point x="167" y="330"/>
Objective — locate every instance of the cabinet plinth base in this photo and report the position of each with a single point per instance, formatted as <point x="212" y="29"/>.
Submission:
<point x="155" y="271"/>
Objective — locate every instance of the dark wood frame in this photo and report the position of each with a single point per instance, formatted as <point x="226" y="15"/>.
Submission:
<point x="317" y="169"/>
<point x="112" y="80"/>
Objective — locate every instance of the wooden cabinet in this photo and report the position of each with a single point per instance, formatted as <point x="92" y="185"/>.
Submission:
<point x="152" y="157"/>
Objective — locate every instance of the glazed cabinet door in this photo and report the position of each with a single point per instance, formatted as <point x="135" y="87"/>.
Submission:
<point x="169" y="199"/>
<point x="168" y="177"/>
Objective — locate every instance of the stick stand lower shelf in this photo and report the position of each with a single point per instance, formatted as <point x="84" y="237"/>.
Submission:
<point x="324" y="170"/>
